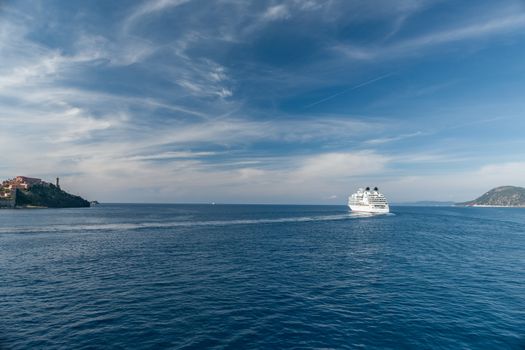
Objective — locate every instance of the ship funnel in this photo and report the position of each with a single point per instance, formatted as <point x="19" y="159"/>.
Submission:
<point x="376" y="189"/>
<point x="367" y="189"/>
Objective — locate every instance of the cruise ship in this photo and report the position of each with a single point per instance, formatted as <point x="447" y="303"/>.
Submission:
<point x="369" y="201"/>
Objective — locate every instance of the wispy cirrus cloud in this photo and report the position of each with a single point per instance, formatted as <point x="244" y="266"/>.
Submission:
<point x="212" y="105"/>
<point x="276" y="12"/>
<point x="410" y="46"/>
<point x="393" y="138"/>
<point x="149" y="8"/>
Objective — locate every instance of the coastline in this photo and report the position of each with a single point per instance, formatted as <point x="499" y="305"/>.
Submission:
<point x="494" y="206"/>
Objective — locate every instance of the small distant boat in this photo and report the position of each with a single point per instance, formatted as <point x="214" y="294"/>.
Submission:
<point x="368" y="201"/>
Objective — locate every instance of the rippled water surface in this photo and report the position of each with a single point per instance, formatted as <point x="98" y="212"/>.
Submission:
<point x="224" y="276"/>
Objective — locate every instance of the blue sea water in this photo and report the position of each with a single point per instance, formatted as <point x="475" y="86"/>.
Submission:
<point x="261" y="276"/>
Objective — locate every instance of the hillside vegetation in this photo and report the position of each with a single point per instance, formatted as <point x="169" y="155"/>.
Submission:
<point x="48" y="196"/>
<point x="507" y="196"/>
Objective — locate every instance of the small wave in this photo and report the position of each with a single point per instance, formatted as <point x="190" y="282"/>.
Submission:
<point x="175" y="224"/>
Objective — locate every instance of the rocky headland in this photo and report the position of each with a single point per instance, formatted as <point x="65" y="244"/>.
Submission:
<point x="503" y="196"/>
<point x="26" y="192"/>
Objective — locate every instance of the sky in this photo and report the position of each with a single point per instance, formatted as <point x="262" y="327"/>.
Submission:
<point x="293" y="101"/>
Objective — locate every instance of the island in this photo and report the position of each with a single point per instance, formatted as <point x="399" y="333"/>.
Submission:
<point x="30" y="192"/>
<point x="503" y="196"/>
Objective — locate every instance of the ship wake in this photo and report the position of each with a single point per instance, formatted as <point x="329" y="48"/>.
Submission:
<point x="181" y="224"/>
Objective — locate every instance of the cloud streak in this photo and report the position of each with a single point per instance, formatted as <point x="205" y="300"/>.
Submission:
<point x="494" y="26"/>
<point x="393" y="138"/>
<point x="363" y="84"/>
<point x="149" y="8"/>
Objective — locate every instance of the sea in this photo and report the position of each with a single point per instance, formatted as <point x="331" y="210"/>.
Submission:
<point x="144" y="276"/>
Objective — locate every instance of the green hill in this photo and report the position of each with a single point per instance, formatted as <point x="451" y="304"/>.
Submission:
<point x="505" y="196"/>
<point x="48" y="196"/>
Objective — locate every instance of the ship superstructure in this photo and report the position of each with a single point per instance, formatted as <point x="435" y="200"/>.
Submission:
<point x="370" y="201"/>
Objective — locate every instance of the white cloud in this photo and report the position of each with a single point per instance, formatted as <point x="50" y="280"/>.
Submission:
<point x="306" y="178"/>
<point x="393" y="138"/>
<point x="225" y="93"/>
<point x="309" y="5"/>
<point x="170" y="155"/>
<point x="490" y="27"/>
<point x="92" y="137"/>
<point x="340" y="166"/>
<point x="150" y="7"/>
<point x="456" y="186"/>
<point x="494" y="26"/>
<point x="276" y="12"/>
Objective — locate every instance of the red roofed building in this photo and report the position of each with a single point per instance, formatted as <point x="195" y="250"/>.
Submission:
<point x="23" y="183"/>
<point x="28" y="180"/>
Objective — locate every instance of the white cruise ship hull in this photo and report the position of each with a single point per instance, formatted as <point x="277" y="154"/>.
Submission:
<point x="369" y="209"/>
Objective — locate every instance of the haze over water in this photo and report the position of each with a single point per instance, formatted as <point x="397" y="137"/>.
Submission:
<point x="203" y="276"/>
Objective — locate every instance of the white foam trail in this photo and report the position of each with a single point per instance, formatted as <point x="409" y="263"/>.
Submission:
<point x="175" y="224"/>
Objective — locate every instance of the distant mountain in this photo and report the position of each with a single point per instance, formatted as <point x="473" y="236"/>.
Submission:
<point x="425" y="204"/>
<point x="504" y="196"/>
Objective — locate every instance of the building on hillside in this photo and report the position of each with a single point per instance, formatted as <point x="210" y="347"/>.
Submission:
<point x="30" y="181"/>
<point x="21" y="183"/>
<point x="18" y="186"/>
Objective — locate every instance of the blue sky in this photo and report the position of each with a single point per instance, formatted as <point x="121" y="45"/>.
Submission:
<point x="265" y="101"/>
